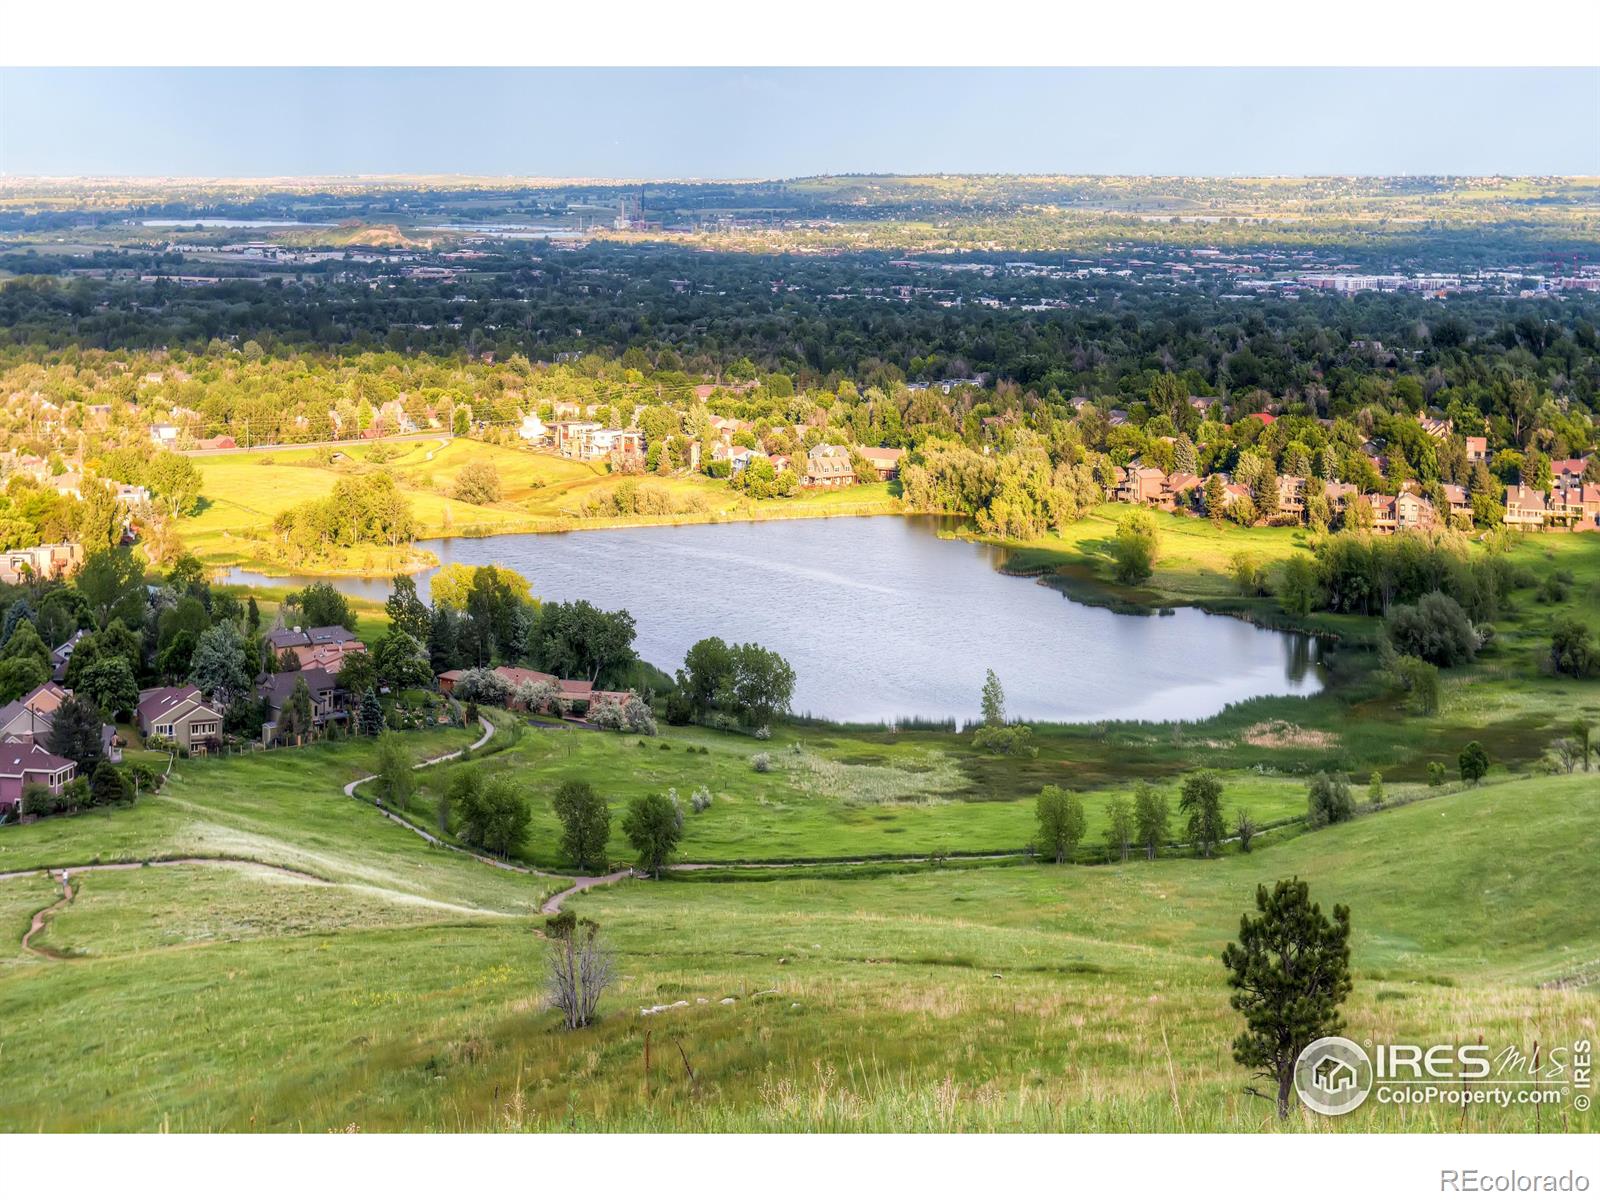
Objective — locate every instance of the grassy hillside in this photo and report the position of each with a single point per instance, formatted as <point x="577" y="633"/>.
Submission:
<point x="390" y="992"/>
<point x="242" y="491"/>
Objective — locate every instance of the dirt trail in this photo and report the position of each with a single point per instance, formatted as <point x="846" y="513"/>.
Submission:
<point x="583" y="884"/>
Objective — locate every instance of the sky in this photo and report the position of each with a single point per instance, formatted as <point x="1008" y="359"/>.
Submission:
<point x="779" y="123"/>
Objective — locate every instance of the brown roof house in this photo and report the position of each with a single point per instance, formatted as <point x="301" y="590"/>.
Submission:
<point x="181" y="715"/>
<point x="1525" y="508"/>
<point x="827" y="467"/>
<point x="885" y="460"/>
<point x="328" y="700"/>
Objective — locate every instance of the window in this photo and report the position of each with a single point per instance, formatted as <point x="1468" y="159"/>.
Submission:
<point x="164" y="730"/>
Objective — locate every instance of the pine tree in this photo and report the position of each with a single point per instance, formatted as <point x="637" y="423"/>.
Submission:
<point x="1290" y="971"/>
<point x="372" y="723"/>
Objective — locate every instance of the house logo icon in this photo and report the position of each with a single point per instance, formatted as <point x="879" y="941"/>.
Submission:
<point x="1333" y="1076"/>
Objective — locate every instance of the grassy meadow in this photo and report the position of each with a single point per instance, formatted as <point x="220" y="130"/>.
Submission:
<point x="217" y="997"/>
<point x="243" y="490"/>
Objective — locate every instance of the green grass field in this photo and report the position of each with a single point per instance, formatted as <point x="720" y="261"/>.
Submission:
<point x="1024" y="997"/>
<point x="242" y="491"/>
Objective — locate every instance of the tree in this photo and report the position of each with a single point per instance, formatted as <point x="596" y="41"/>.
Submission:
<point x="109" y="682"/>
<point x="1150" y="817"/>
<point x="76" y="733"/>
<point x="1289" y="971"/>
<point x="19" y="676"/>
<point x="407" y="613"/>
<point x="372" y="723"/>
<point x="1061" y="822"/>
<point x="221" y="666"/>
<point x="25" y="642"/>
<point x="494" y="817"/>
<point x="763" y="683"/>
<point x="585" y="824"/>
<point x="580" y="968"/>
<point x="579" y="641"/>
<point x="112" y="584"/>
<point x="1375" y="790"/>
<point x="176" y="482"/>
<point x="1435" y="630"/>
<point x="1297" y="588"/>
<point x="107" y="785"/>
<point x="357" y="673"/>
<point x="19" y="611"/>
<point x="707" y="674"/>
<point x="322" y="604"/>
<point x="1119" y="827"/>
<point x="1573" y="650"/>
<point x="478" y="483"/>
<point x="653" y="825"/>
<point x="1328" y="801"/>
<point x="100" y="521"/>
<point x="396" y="780"/>
<point x="1473" y="762"/>
<point x="994" y="700"/>
<point x="1201" y="799"/>
<point x="297" y="721"/>
<point x="1244" y="828"/>
<point x="401" y="661"/>
<point x="1134" y="549"/>
<point x="1581" y="736"/>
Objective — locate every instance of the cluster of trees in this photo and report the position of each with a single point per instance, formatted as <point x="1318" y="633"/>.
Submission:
<point x="743" y="683"/>
<point x="1144" y="824"/>
<point x="365" y="509"/>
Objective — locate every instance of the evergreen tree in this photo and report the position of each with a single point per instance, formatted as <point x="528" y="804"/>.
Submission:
<point x="372" y="723"/>
<point x="76" y="733"/>
<point x="107" y="785"/>
<point x="1290" y="971"/>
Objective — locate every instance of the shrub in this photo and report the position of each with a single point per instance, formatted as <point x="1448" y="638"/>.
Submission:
<point x="480" y="685"/>
<point x="1436" y="772"/>
<point x="1245" y="830"/>
<point x="1328" y="801"/>
<point x="1436" y="630"/>
<point x="700" y="799"/>
<point x="1134" y="548"/>
<point x="637" y="717"/>
<point x="478" y="483"/>
<point x="1572" y="649"/>
<point x="763" y="734"/>
<point x="1473" y="762"/>
<point x="762" y="763"/>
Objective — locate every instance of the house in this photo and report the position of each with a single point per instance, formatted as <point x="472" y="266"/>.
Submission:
<point x="328" y="700"/>
<point x="165" y="436"/>
<point x="1525" y="508"/>
<point x="1567" y="472"/>
<point x="324" y="646"/>
<point x="569" y="692"/>
<point x="570" y="438"/>
<point x="223" y="442"/>
<point x="1477" y="450"/>
<point x="1437" y="428"/>
<point x="827" y="467"/>
<point x="34" y="715"/>
<point x="181" y="715"/>
<point x="1338" y="494"/>
<point x="533" y="429"/>
<point x="55" y="561"/>
<point x="885" y="460"/>
<point x="1292" y="495"/>
<point x="1177" y="485"/>
<point x="1455" y="497"/>
<point x="62" y="654"/>
<point x="1577" y="505"/>
<point x="26" y="761"/>
<point x="1412" y="511"/>
<point x="1141" y="485"/>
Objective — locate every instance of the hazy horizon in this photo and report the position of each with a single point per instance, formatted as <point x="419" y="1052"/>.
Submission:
<point x="719" y="124"/>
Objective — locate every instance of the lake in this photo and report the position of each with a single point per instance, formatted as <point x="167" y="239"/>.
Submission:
<point x="883" y="619"/>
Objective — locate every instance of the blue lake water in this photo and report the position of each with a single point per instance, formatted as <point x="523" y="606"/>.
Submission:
<point x="883" y="619"/>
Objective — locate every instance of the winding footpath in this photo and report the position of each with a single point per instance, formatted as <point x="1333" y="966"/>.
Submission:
<point x="550" y="906"/>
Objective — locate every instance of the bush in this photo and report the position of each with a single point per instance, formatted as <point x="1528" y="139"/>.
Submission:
<point x="478" y="483"/>
<point x="1473" y="762"/>
<point x="1245" y="830"/>
<point x="480" y="685"/>
<point x="700" y="799"/>
<point x="680" y="709"/>
<point x="763" y="734"/>
<point x="1572" y="649"/>
<point x="1436" y="630"/>
<point x="1134" y="548"/>
<point x="1328" y="801"/>
<point x="1436" y="771"/>
<point x="762" y="763"/>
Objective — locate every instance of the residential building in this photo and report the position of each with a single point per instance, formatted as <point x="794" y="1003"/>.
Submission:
<point x="827" y="467"/>
<point x="885" y="460"/>
<point x="25" y="762"/>
<point x="329" y="702"/>
<point x="55" y="561"/>
<point x="1525" y="508"/>
<point x="1577" y="505"/>
<point x="34" y="715"/>
<point x="181" y="715"/>
<point x="569" y="692"/>
<point x="1141" y="485"/>
<point x="1568" y="472"/>
<point x="324" y="646"/>
<point x="1456" y="499"/>
<point x="1477" y="450"/>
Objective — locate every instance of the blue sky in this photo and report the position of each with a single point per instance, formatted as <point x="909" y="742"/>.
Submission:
<point x="735" y="122"/>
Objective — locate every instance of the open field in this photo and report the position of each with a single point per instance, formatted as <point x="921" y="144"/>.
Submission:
<point x="242" y="491"/>
<point x="1026" y="997"/>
